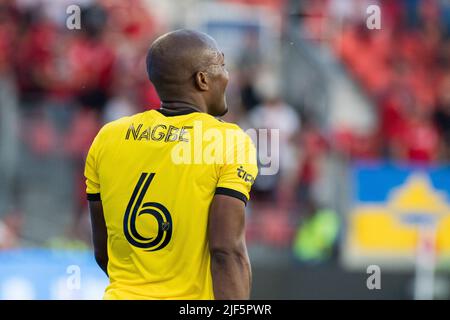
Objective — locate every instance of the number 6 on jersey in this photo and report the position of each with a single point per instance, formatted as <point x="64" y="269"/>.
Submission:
<point x="157" y="210"/>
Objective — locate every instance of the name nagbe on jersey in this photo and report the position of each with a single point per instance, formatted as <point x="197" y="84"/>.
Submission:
<point x="159" y="132"/>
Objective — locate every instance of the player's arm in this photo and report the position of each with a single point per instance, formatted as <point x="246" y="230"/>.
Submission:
<point x="93" y="191"/>
<point x="230" y="265"/>
<point x="99" y="234"/>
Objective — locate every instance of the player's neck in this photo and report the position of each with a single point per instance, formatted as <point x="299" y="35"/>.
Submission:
<point x="181" y="105"/>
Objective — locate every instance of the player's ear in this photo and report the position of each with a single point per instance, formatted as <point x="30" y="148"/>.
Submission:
<point x="201" y="81"/>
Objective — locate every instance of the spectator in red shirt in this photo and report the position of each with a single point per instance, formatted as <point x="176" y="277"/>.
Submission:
<point x="418" y="141"/>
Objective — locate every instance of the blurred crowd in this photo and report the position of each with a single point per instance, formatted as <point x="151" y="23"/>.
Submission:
<point x="404" y="67"/>
<point x="68" y="83"/>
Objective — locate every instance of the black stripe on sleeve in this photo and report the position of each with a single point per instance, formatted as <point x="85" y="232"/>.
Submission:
<point x="232" y="193"/>
<point x="93" y="197"/>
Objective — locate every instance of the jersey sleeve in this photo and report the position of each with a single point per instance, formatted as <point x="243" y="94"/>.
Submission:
<point x="239" y="170"/>
<point x="91" y="171"/>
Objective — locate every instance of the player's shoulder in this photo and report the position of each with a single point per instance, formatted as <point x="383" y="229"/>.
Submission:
<point x="213" y="122"/>
<point x="232" y="134"/>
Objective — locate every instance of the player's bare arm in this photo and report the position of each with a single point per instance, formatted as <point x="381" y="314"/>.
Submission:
<point x="99" y="234"/>
<point x="230" y="265"/>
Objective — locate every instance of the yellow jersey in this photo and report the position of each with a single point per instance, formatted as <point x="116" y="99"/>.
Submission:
<point x="156" y="175"/>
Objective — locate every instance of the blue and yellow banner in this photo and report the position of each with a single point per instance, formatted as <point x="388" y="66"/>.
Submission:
<point x="391" y="204"/>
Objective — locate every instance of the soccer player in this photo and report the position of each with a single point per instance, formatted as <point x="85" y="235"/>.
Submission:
<point x="167" y="188"/>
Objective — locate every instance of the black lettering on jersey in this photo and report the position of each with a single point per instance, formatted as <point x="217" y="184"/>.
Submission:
<point x="159" y="132"/>
<point x="183" y="132"/>
<point x="133" y="131"/>
<point x="172" y="134"/>
<point x="145" y="135"/>
<point x="244" y="175"/>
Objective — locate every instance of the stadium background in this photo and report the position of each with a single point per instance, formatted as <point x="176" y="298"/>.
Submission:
<point x="364" y="120"/>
